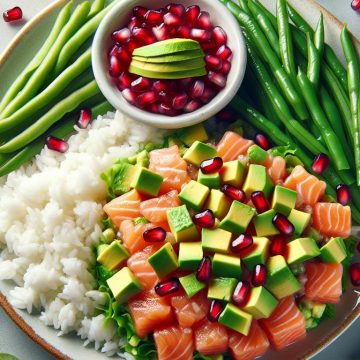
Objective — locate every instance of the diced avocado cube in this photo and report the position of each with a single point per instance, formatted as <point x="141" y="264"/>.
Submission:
<point x="280" y="281"/>
<point x="318" y="310"/>
<point x="233" y="173"/>
<point x="198" y="152"/>
<point x="238" y="218"/>
<point x="124" y="285"/>
<point x="147" y="181"/>
<point x="193" y="133"/>
<point x="261" y="303"/>
<point x="120" y="177"/>
<point x="300" y="220"/>
<point x="100" y="249"/>
<point x="191" y="284"/>
<point x="264" y="225"/>
<point x="181" y="224"/>
<point x="210" y="180"/>
<point x="333" y="251"/>
<point x="190" y="255"/>
<point x="226" y="266"/>
<point x="256" y="154"/>
<point x="194" y="195"/>
<point x="258" y="253"/>
<point x="215" y="240"/>
<point x="302" y="249"/>
<point x="218" y="203"/>
<point x="164" y="261"/>
<point x="284" y="200"/>
<point x="140" y="159"/>
<point x="113" y="255"/>
<point x="257" y="179"/>
<point x="222" y="288"/>
<point x="236" y="319"/>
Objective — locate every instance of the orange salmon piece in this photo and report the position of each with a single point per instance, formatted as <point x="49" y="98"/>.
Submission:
<point x="276" y="169"/>
<point x="332" y="219"/>
<point x="232" y="145"/>
<point x="324" y="282"/>
<point x="174" y="343"/>
<point x="286" y="324"/>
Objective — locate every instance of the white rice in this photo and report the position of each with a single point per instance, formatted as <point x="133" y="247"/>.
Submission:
<point x="50" y="214"/>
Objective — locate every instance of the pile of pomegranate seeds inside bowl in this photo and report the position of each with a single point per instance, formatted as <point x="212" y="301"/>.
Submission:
<point x="169" y="61"/>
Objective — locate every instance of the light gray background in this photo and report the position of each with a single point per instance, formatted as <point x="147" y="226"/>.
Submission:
<point x="14" y="341"/>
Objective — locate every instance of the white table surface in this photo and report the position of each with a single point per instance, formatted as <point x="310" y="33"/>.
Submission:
<point x="14" y="341"/>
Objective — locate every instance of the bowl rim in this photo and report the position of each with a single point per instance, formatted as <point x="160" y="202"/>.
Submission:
<point x="234" y="79"/>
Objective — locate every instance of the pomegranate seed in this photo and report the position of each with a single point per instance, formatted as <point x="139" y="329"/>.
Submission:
<point x="165" y="97"/>
<point x="143" y="35"/>
<point x="154" y="17"/>
<point x="134" y="22"/>
<point x="146" y="99"/>
<point x="321" y="162"/>
<point x="282" y="223"/>
<point x="14" y="14"/>
<point x="203" y="20"/>
<point x="241" y="293"/>
<point x="56" y="144"/>
<point x="262" y="141"/>
<point x="115" y="66"/>
<point x="160" y="85"/>
<point x="197" y="89"/>
<point x="123" y="56"/>
<point x="176" y="9"/>
<point x="217" y="79"/>
<point x="172" y="20"/>
<point x="211" y="166"/>
<point x="226" y="67"/>
<point x="355" y="5"/>
<point x="84" y="118"/>
<point x="219" y="36"/>
<point x="140" y="12"/>
<point x="213" y="62"/>
<point x="192" y="13"/>
<point x="179" y="101"/>
<point x="121" y="36"/>
<point x="259" y="275"/>
<point x="355" y="274"/>
<point x="200" y="35"/>
<point x="167" y="287"/>
<point x="233" y="192"/>
<point x="124" y="81"/>
<point x="215" y="310"/>
<point x="166" y="109"/>
<point x="131" y="45"/>
<point x="191" y="106"/>
<point x="153" y="108"/>
<point x="259" y="200"/>
<point x="141" y="84"/>
<point x="157" y="234"/>
<point x="207" y="95"/>
<point x="241" y="243"/>
<point x="114" y="51"/>
<point x="205" y="219"/>
<point x="203" y="273"/>
<point x="129" y="96"/>
<point x="278" y="245"/>
<point x="161" y="32"/>
<point x="183" y="31"/>
<point x="224" y="52"/>
<point x="343" y="194"/>
<point x="185" y="83"/>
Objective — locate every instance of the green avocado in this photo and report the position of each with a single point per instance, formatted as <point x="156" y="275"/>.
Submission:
<point x="218" y="203"/>
<point x="212" y="181"/>
<point x="236" y="319"/>
<point x="302" y="249"/>
<point x="256" y="154"/>
<point x="146" y="181"/>
<point x="264" y="225"/>
<point x="164" y="261"/>
<point x="284" y="200"/>
<point x="191" y="284"/>
<point x="226" y="266"/>
<point x="124" y="285"/>
<point x="216" y="240"/>
<point x="233" y="173"/>
<point x="139" y="70"/>
<point x="181" y="224"/>
<point x="258" y="253"/>
<point x="193" y="133"/>
<point x="122" y="175"/>
<point x="257" y="179"/>
<point x="113" y="255"/>
<point x="198" y="152"/>
<point x="190" y="255"/>
<point x="169" y="67"/>
<point x="261" y="303"/>
<point x="194" y="195"/>
<point x="300" y="220"/>
<point x="333" y="251"/>
<point x="222" y="288"/>
<point x="176" y="57"/>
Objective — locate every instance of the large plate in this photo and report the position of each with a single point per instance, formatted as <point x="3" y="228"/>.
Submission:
<point x="14" y="57"/>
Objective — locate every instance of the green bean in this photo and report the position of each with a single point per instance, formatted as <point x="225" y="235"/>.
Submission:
<point x="96" y="7"/>
<point x="271" y="58"/>
<point x="319" y="36"/>
<point x="48" y="94"/>
<point x="54" y="115"/>
<point x="354" y="91"/>
<point x="285" y="40"/>
<point x="244" y="5"/>
<point x="299" y="21"/>
<point x="42" y="72"/>
<point x="22" y="78"/>
<point x="313" y="69"/>
<point x="84" y="33"/>
<point x="269" y="15"/>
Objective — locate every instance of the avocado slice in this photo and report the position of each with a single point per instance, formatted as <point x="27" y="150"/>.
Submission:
<point x="222" y="288"/>
<point x="164" y="261"/>
<point x="146" y="181"/>
<point x="261" y="303"/>
<point x="256" y="154"/>
<point x="218" y="203"/>
<point x="333" y="251"/>
<point x="194" y="194"/>
<point x="193" y="133"/>
<point x="201" y="71"/>
<point x="113" y="255"/>
<point x="181" y="224"/>
<point x="212" y="181"/>
<point x="302" y="249"/>
<point x="190" y="255"/>
<point x="198" y="152"/>
<point x="169" y="67"/>
<point x="300" y="220"/>
<point x="257" y="179"/>
<point x="258" y="253"/>
<point x="233" y="173"/>
<point x="176" y="57"/>
<point x="226" y="266"/>
<point x="216" y="240"/>
<point x="236" y="319"/>
<point x="264" y="225"/>
<point x="284" y="200"/>
<point x="191" y="284"/>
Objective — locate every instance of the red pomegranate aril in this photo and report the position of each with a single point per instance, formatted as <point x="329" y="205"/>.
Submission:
<point x="167" y="287"/>
<point x="207" y="95"/>
<point x="355" y="274"/>
<point x="226" y="67"/>
<point x="355" y="5"/>
<point x="146" y="99"/>
<point x="14" y="14"/>
<point x="56" y="144"/>
<point x="84" y="118"/>
<point x="141" y="84"/>
<point x="203" y="273"/>
<point x="241" y="293"/>
<point x="191" y="106"/>
<point x="134" y="22"/>
<point x="211" y="166"/>
<point x="179" y="101"/>
<point x="161" y="32"/>
<point x="129" y="96"/>
<point x="184" y="83"/>
<point x="242" y="242"/>
<point x="205" y="219"/>
<point x="123" y="56"/>
<point x="203" y="20"/>
<point x="260" y="202"/>
<point x="200" y="35"/>
<point x="166" y="109"/>
<point x="192" y="13"/>
<point x="217" y="79"/>
<point x="278" y="245"/>
<point x="183" y="31"/>
<point x="320" y="164"/>
<point x="197" y="90"/>
<point x="213" y="62"/>
<point x="115" y="66"/>
<point x="131" y="45"/>
<point x="165" y="97"/>
<point x="282" y="224"/>
<point x="160" y="85"/>
<point x="143" y="35"/>
<point x="343" y="194"/>
<point x="140" y="12"/>
<point x="176" y="9"/>
<point x="121" y="36"/>
<point x="153" y="108"/>
<point x="224" y="52"/>
<point x="114" y="50"/>
<point x="154" y="17"/>
<point x="124" y="81"/>
<point x="215" y="310"/>
<point x="233" y="192"/>
<point x="259" y="275"/>
<point x="157" y="234"/>
<point x="219" y="36"/>
<point x="262" y="141"/>
<point x="172" y="20"/>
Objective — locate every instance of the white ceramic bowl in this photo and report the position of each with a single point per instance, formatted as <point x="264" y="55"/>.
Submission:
<point x="119" y="16"/>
